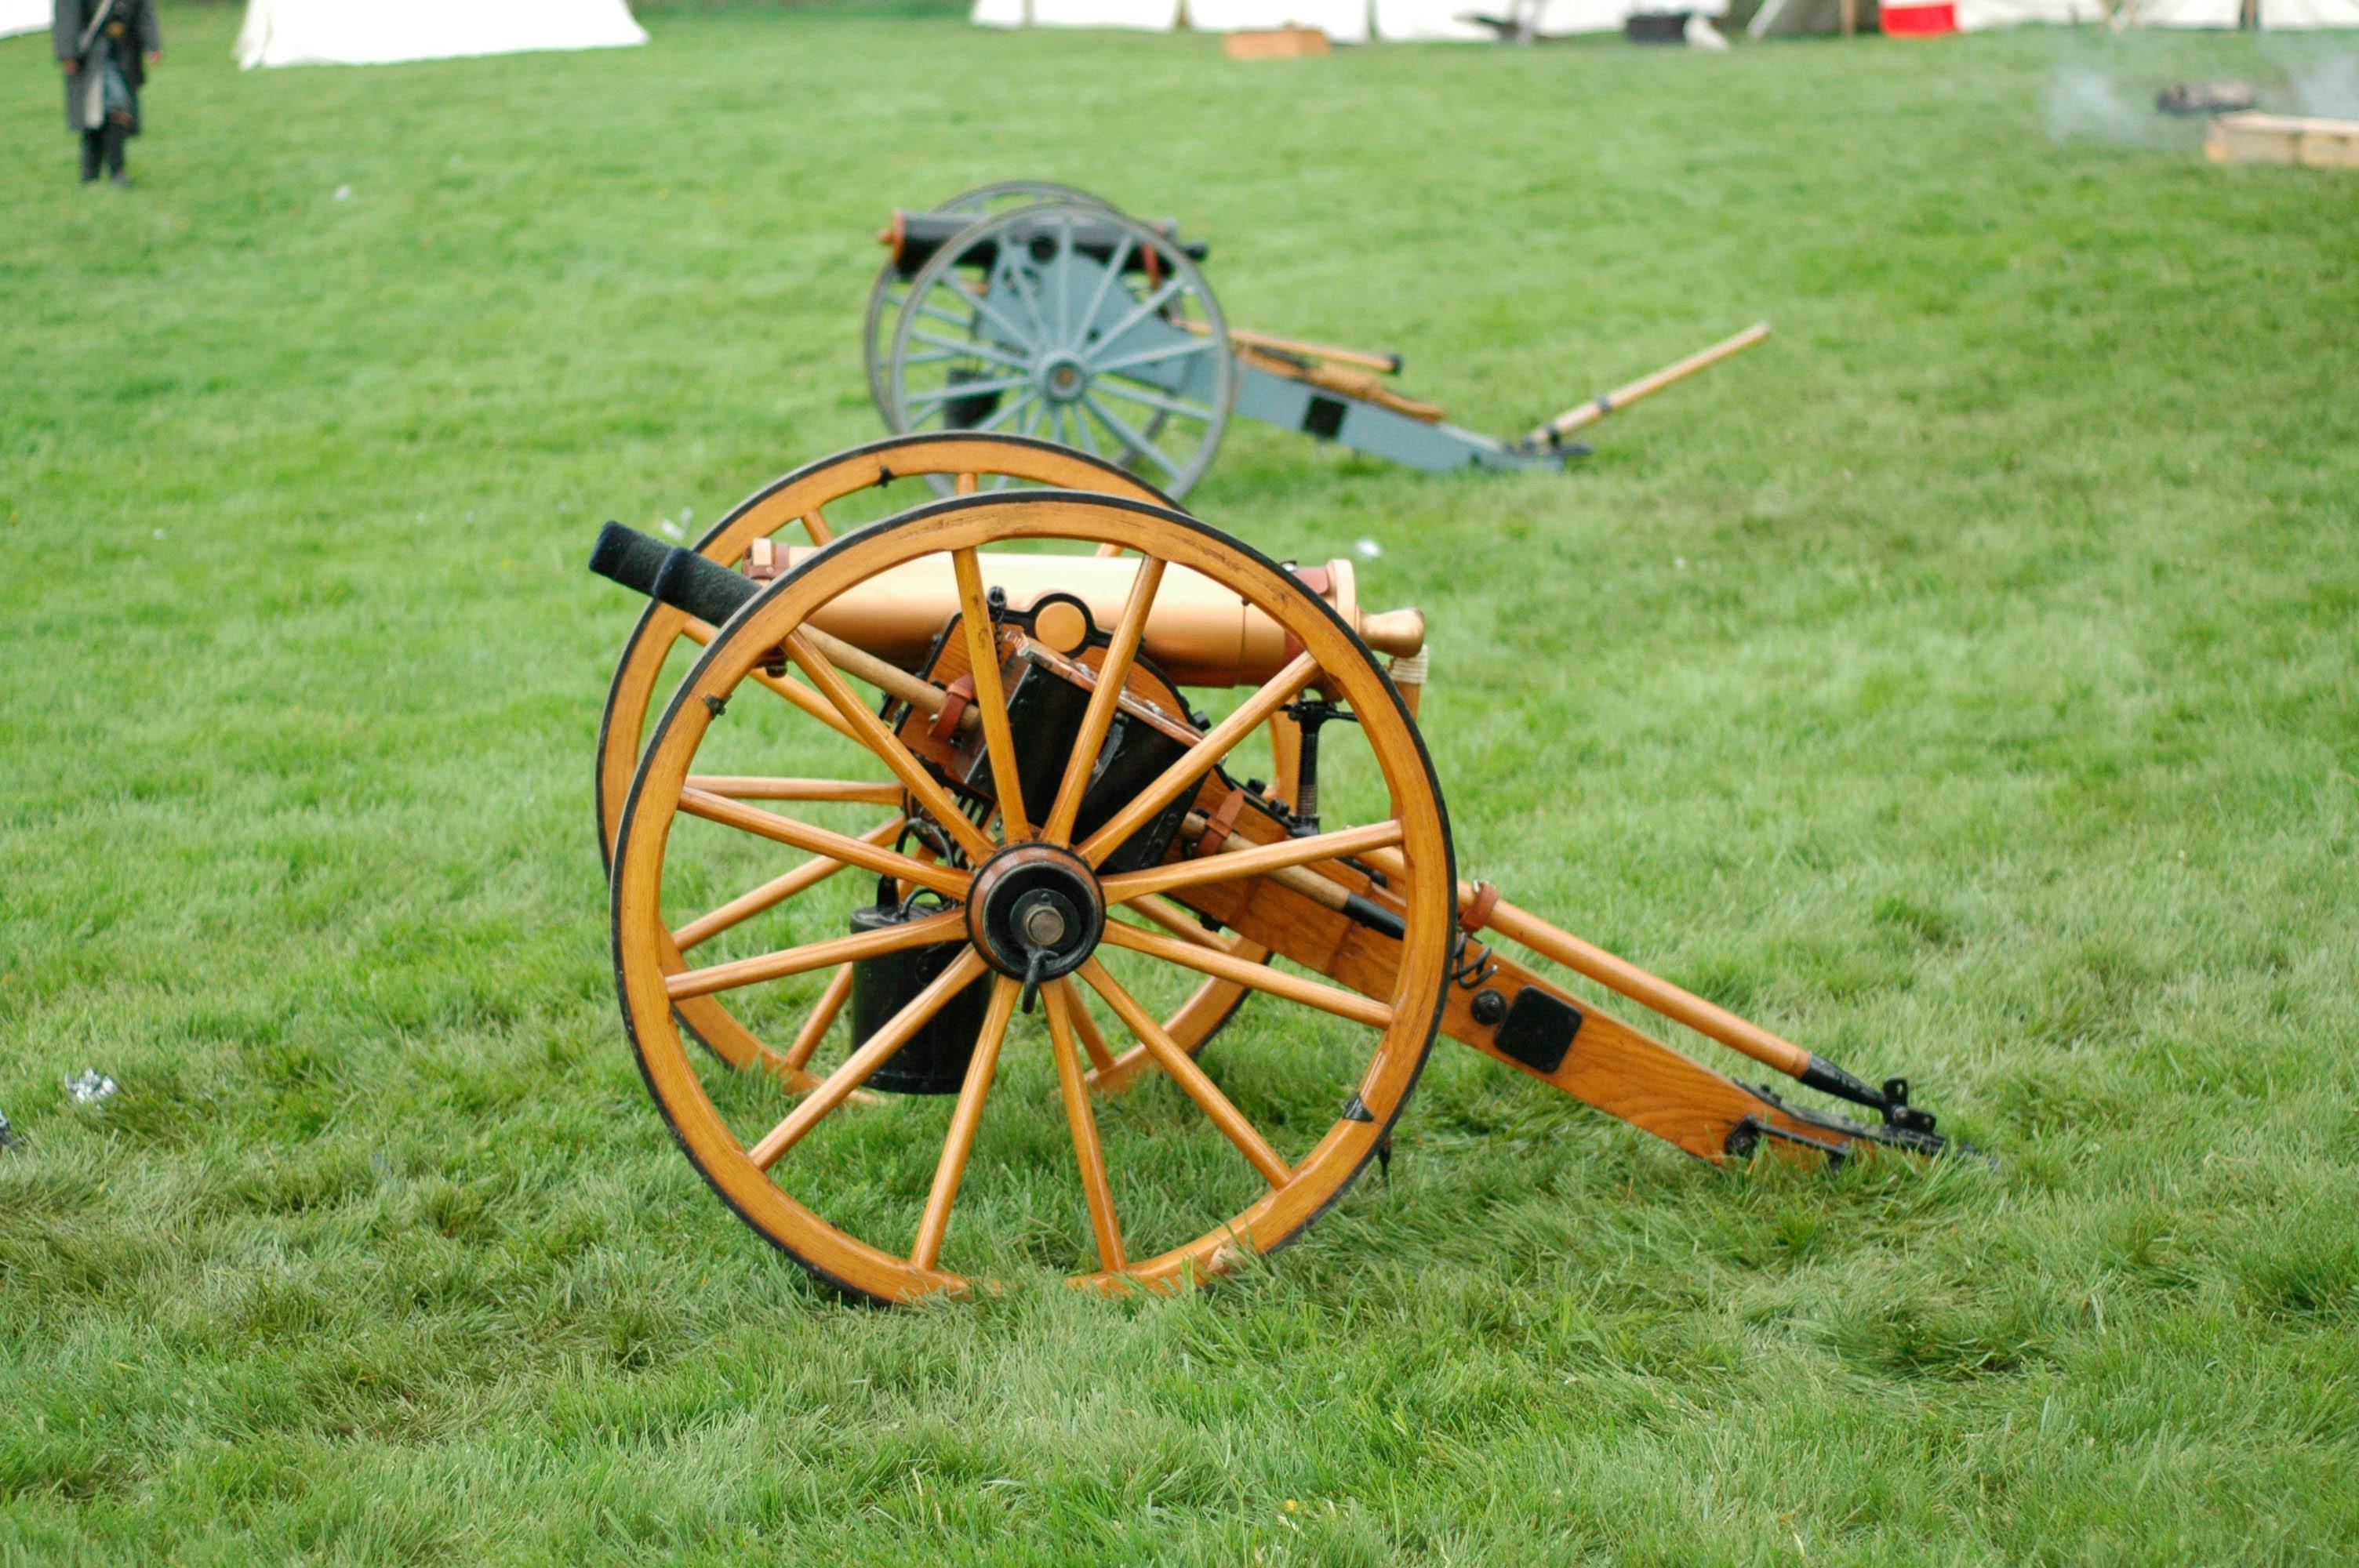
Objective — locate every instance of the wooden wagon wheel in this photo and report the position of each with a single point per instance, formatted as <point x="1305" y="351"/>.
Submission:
<point x="886" y="294"/>
<point x="1071" y="323"/>
<point x="799" y="501"/>
<point x="1339" y="1064"/>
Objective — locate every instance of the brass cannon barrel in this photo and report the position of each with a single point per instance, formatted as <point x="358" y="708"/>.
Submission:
<point x="1199" y="633"/>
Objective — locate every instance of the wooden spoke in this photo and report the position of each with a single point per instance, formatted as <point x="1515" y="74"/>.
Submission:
<point x="922" y="785"/>
<point x="815" y="525"/>
<point x="823" y="841"/>
<point x="989" y="698"/>
<point x="1094" y="1039"/>
<point x="965" y="486"/>
<point x="1191" y="1078"/>
<point x="794" y="691"/>
<point x="1113" y="675"/>
<point x="1197" y="760"/>
<point x="935" y="1223"/>
<point x="1252" y="862"/>
<point x="739" y="786"/>
<point x="1062" y="1003"/>
<point x="1181" y="924"/>
<point x="1260" y="977"/>
<point x="934" y="929"/>
<point x="776" y="890"/>
<point x="874" y="1052"/>
<point x="822" y="1018"/>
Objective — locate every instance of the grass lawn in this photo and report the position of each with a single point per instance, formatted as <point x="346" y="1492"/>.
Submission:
<point x="1965" y="684"/>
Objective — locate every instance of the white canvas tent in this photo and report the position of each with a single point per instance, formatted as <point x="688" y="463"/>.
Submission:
<point x="24" y="16"/>
<point x="2276" y="16"/>
<point x="1151" y="15"/>
<point x="381" y="32"/>
<point x="1977" y="15"/>
<point x="2298" y="14"/>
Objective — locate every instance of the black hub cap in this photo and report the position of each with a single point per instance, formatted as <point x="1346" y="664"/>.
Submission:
<point x="1035" y="912"/>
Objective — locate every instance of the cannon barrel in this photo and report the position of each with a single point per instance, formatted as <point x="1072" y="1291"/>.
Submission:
<point x="914" y="237"/>
<point x="1199" y="633"/>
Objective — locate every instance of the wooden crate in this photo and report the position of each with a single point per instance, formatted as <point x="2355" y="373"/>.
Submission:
<point x="2283" y="139"/>
<point x="1276" y="43"/>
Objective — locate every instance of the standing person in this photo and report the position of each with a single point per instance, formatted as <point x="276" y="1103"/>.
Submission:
<point x="105" y="47"/>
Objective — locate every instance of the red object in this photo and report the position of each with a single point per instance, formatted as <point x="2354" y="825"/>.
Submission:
<point x="1919" y="21"/>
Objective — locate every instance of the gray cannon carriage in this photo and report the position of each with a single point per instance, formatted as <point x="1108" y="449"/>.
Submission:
<point x="1038" y="309"/>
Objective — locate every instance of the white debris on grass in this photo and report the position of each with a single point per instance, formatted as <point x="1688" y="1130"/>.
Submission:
<point x="92" y="1088"/>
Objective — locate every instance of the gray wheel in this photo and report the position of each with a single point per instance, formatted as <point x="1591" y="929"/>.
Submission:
<point x="885" y="295"/>
<point x="1073" y="323"/>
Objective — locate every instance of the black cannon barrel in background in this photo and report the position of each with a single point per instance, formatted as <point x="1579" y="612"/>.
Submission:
<point x="914" y="237"/>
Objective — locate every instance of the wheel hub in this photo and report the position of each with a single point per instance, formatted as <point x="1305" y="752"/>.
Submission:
<point x="1035" y="912"/>
<point x="1064" y="378"/>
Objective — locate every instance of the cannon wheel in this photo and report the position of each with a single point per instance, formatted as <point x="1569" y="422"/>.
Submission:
<point x="885" y="295"/>
<point x="1365" y="1051"/>
<point x="798" y="500"/>
<point x="1054" y="365"/>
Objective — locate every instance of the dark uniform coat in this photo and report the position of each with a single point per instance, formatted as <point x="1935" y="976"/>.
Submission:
<point x="129" y="34"/>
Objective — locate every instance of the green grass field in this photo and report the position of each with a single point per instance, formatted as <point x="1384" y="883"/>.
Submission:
<point x="1965" y="684"/>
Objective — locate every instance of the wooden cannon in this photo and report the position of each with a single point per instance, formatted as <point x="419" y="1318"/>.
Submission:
<point x="1066" y="747"/>
<point x="1040" y="309"/>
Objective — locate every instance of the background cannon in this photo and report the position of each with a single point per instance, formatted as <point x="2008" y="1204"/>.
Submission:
<point x="1041" y="309"/>
<point x="1061" y="799"/>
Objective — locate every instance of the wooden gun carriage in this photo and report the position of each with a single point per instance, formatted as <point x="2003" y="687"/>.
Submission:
<point x="1040" y="309"/>
<point x="1092" y="755"/>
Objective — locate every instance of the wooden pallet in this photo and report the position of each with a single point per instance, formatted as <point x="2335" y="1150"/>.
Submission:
<point x="2283" y="139"/>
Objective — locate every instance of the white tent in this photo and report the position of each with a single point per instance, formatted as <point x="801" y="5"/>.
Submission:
<point x="1153" y="16"/>
<point x="24" y="16"/>
<point x="380" y="32"/>
<point x="2276" y="16"/>
<point x="1345" y="21"/>
<point x="1976" y="16"/>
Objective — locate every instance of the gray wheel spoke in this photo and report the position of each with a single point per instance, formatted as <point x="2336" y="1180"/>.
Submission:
<point x="1157" y="356"/>
<point x="968" y="389"/>
<point x="1082" y="428"/>
<point x="985" y="307"/>
<point x="1065" y="279"/>
<point x="1128" y="436"/>
<point x="1025" y="296"/>
<point x="1001" y="417"/>
<point x="964" y="323"/>
<point x="1178" y="406"/>
<point x="1138" y="312"/>
<point x="976" y="347"/>
<point x="1105" y="281"/>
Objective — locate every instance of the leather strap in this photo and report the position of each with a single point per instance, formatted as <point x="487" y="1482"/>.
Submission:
<point x="1222" y="823"/>
<point x="1476" y="913"/>
<point x="955" y="698"/>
